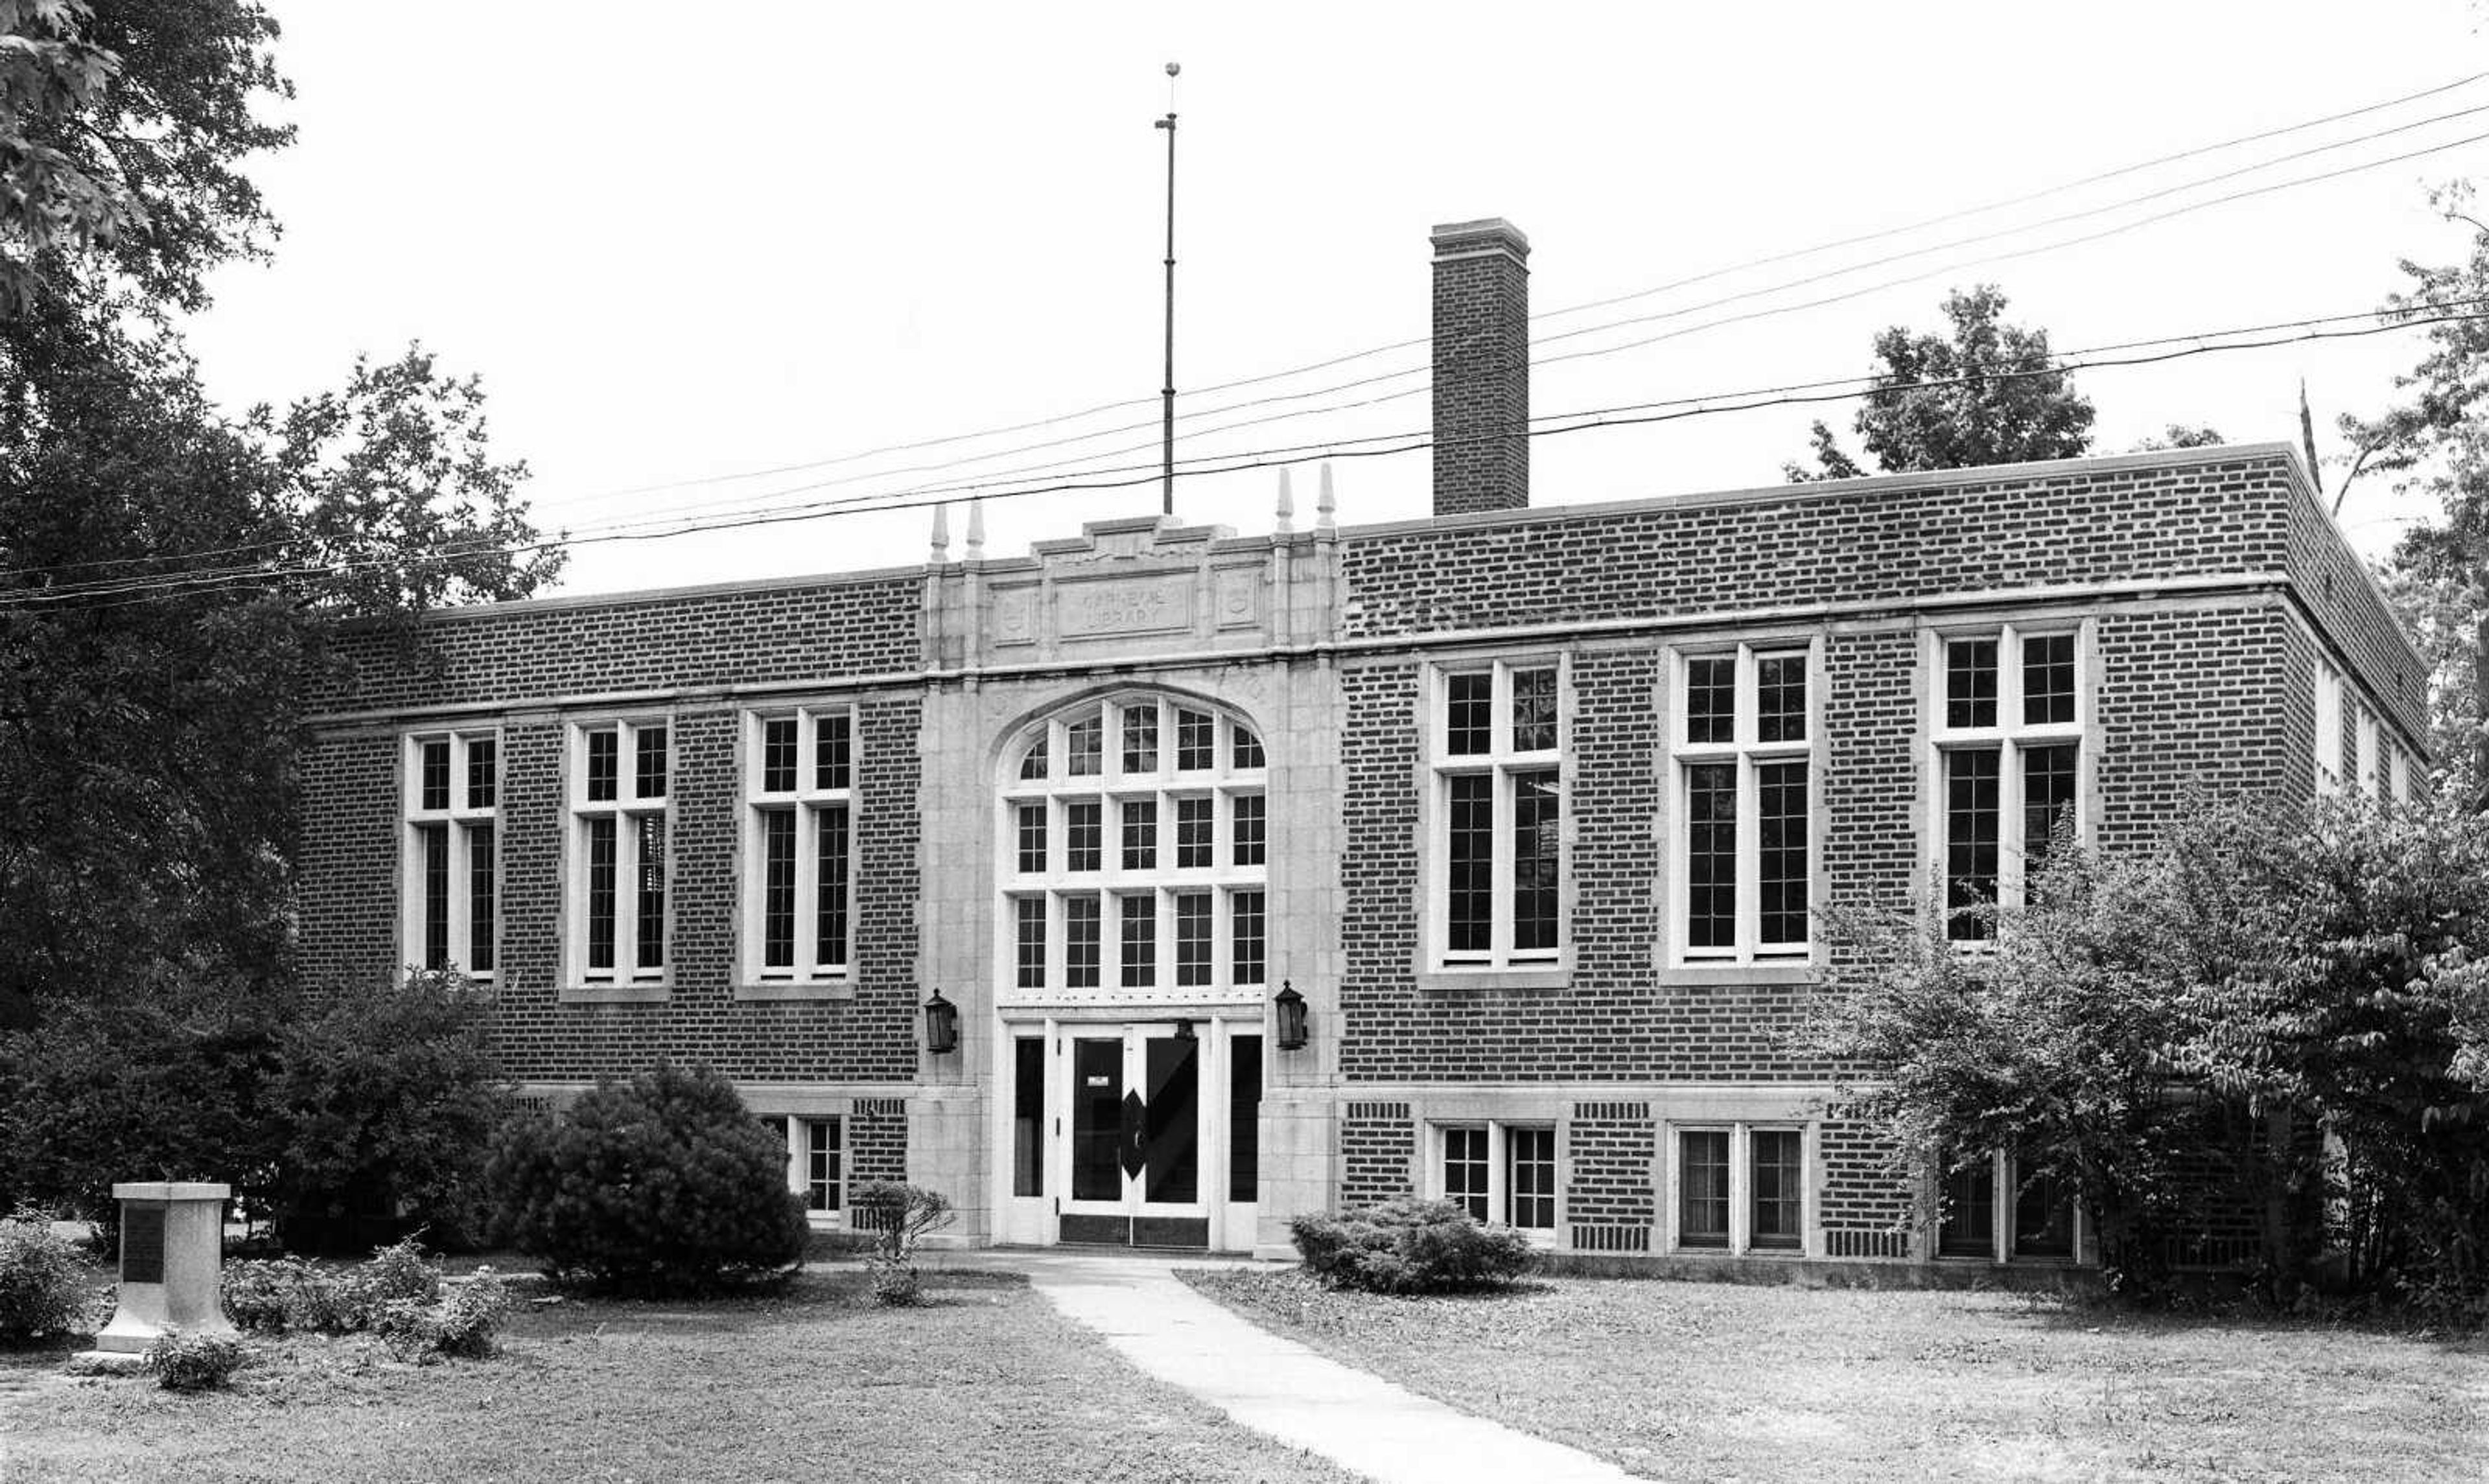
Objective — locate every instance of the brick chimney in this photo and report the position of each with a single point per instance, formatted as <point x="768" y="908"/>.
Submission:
<point x="1482" y="367"/>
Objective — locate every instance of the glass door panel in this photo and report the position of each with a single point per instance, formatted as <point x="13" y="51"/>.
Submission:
<point x="1098" y="1118"/>
<point x="1171" y="1165"/>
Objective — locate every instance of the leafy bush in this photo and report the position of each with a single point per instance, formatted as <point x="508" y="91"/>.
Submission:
<point x="337" y="1113"/>
<point x="461" y="1326"/>
<point x="256" y="1293"/>
<point x="1410" y="1247"/>
<point x="162" y="1084"/>
<point x="42" y="1280"/>
<point x="399" y="1272"/>
<point x="192" y="1363"/>
<point x="664" y="1183"/>
<point x="384" y="1101"/>
<point x="898" y="1215"/>
<point x="287" y="1292"/>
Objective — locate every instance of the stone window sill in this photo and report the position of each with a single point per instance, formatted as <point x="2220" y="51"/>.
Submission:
<point x="617" y="995"/>
<point x="1460" y="980"/>
<point x="794" y="991"/>
<point x="1684" y="973"/>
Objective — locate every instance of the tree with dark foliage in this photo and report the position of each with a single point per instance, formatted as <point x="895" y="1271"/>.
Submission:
<point x="171" y="578"/>
<point x="1989" y="393"/>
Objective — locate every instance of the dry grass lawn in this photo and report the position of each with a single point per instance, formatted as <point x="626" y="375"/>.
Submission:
<point x="1715" y="1381"/>
<point x="985" y="1384"/>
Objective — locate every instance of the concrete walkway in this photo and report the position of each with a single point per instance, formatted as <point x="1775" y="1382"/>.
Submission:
<point x="1278" y="1386"/>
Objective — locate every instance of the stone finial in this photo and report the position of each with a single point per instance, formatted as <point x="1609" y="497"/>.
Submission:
<point x="941" y="533"/>
<point x="1326" y="507"/>
<point x="1287" y="502"/>
<point x="976" y="531"/>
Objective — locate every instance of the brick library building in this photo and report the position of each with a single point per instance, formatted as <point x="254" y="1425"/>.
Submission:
<point x="1163" y="883"/>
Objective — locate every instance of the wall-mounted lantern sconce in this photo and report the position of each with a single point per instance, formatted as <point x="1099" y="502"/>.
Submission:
<point x="941" y="1025"/>
<point x="1290" y="1006"/>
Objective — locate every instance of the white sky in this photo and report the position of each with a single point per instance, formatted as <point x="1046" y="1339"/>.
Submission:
<point x="688" y="241"/>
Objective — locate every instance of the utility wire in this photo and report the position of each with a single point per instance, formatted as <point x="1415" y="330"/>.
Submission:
<point x="1198" y="432"/>
<point x="155" y="589"/>
<point x="1872" y="383"/>
<point x="1709" y="275"/>
<point x="1086" y="461"/>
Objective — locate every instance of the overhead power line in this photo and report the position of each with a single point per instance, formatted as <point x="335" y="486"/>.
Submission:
<point x="123" y="592"/>
<point x="1089" y="461"/>
<point x="1287" y="373"/>
<point x="1198" y="431"/>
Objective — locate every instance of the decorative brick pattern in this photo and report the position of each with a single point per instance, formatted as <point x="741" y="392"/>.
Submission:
<point x="350" y="910"/>
<point x="1872" y="851"/>
<point x="346" y="864"/>
<point x="877" y="1133"/>
<point x="2195" y="690"/>
<point x="2330" y="582"/>
<point x="565" y="647"/>
<point x="1865" y="1204"/>
<point x="1378" y="1146"/>
<point x="1785" y="550"/>
<point x="1614" y="1021"/>
<point x="1481" y="368"/>
<point x="2189" y="705"/>
<point x="1609" y="1198"/>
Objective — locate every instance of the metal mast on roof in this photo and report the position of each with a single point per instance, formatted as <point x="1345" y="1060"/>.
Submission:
<point x="1166" y="433"/>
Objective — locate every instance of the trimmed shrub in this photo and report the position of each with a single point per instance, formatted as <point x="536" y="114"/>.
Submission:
<point x="898" y="1215"/>
<point x="1410" y="1247"/>
<point x="664" y="1183"/>
<point x="42" y="1280"/>
<point x="192" y="1363"/>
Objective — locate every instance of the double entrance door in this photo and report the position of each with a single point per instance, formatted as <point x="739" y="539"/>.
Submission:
<point x="1137" y="1134"/>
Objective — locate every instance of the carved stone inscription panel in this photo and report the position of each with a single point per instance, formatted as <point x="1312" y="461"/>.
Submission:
<point x="1148" y="605"/>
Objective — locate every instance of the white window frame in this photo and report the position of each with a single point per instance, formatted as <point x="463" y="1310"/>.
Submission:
<point x="805" y="1129"/>
<point x="2328" y="728"/>
<point x="460" y="820"/>
<point x="808" y="803"/>
<point x="2399" y="774"/>
<point x="1499" y="1168"/>
<point x="2009" y="739"/>
<point x="626" y="809"/>
<point x="1501" y="762"/>
<point x="1741" y="1186"/>
<point x="1163" y="883"/>
<point x="2367" y="761"/>
<point x="2004" y="1174"/>
<point x="1748" y="753"/>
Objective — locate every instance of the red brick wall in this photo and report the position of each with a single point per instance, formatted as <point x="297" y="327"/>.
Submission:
<point x="1864" y="1207"/>
<point x="784" y="631"/>
<point x="1840" y="544"/>
<point x="1378" y="1145"/>
<point x="1481" y="308"/>
<point x="1608" y="1200"/>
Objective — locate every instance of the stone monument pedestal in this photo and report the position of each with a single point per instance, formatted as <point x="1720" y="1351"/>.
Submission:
<point x="172" y="1259"/>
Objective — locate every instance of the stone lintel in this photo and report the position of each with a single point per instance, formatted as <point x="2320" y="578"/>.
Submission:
<point x="171" y="1191"/>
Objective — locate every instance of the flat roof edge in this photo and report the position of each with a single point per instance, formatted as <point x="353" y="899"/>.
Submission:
<point x="1873" y="484"/>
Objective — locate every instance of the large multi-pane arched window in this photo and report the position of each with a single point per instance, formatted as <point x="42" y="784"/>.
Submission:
<point x="1133" y="841"/>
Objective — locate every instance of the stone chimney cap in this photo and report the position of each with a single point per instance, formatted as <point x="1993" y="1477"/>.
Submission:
<point x="1491" y="234"/>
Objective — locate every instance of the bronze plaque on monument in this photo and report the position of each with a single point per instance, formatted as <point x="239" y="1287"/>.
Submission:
<point x="142" y="1244"/>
